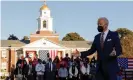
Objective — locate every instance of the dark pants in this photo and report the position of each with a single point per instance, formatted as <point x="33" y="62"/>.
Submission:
<point x="40" y="77"/>
<point x="85" y="77"/>
<point x="44" y="77"/>
<point x="73" y="78"/>
<point x="104" y="74"/>
<point x="30" y="77"/>
<point x="61" y="78"/>
<point x="50" y="76"/>
<point x="34" y="76"/>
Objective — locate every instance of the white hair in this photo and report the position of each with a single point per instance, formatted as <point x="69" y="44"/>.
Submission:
<point x="104" y="18"/>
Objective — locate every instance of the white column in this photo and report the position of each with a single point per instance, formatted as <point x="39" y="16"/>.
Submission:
<point x="70" y="52"/>
<point x="37" y="52"/>
<point x="64" y="52"/>
<point x="24" y="53"/>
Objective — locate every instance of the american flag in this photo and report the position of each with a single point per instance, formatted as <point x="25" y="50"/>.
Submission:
<point x="43" y="54"/>
<point x="53" y="53"/>
<point x="127" y="63"/>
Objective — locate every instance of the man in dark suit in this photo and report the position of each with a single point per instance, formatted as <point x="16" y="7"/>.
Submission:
<point x="50" y="70"/>
<point x="108" y="47"/>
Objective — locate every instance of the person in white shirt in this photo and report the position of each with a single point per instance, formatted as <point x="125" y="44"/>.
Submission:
<point x="40" y="70"/>
<point x="62" y="73"/>
<point x="73" y="72"/>
<point x="85" y="69"/>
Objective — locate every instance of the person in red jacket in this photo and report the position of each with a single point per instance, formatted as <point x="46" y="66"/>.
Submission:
<point x="34" y="63"/>
<point x="64" y="63"/>
<point x="57" y="64"/>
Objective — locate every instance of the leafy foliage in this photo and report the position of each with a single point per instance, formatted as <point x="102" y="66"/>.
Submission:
<point x="73" y="36"/>
<point x="123" y="32"/>
<point x="25" y="38"/>
<point x="127" y="45"/>
<point x="126" y="37"/>
<point x="12" y="37"/>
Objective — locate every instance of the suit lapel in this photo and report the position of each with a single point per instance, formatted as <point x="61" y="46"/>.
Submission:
<point x="99" y="42"/>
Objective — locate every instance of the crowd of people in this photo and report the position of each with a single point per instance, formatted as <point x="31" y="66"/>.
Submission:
<point x="58" y="69"/>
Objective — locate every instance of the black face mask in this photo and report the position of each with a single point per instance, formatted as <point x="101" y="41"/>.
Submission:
<point x="100" y="28"/>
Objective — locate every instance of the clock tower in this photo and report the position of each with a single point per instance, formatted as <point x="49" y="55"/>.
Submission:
<point x="45" y="19"/>
<point x="45" y="26"/>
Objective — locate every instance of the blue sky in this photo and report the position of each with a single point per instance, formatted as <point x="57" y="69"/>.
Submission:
<point x="19" y="17"/>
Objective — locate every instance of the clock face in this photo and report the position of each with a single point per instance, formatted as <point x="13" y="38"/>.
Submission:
<point x="44" y="24"/>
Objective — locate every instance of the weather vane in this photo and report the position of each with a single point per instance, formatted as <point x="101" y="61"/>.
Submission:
<point x="45" y="2"/>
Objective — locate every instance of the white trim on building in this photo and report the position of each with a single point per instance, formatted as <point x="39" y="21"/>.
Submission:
<point x="43" y="36"/>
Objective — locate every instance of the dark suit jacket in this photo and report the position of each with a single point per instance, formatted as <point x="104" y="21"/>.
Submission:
<point x="48" y="74"/>
<point x="112" y="41"/>
<point x="48" y="69"/>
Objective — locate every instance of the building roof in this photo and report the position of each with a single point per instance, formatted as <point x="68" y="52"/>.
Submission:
<point x="12" y="43"/>
<point x="44" y="43"/>
<point x="76" y="44"/>
<point x="44" y="7"/>
<point x="68" y="44"/>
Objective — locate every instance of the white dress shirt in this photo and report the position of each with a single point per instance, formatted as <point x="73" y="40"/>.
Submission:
<point x="105" y="34"/>
<point x="85" y="70"/>
<point x="71" y="74"/>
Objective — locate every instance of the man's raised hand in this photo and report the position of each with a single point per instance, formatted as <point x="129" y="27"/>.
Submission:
<point x="76" y="53"/>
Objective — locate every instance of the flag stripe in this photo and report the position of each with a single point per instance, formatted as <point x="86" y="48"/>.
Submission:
<point x="53" y="54"/>
<point x="130" y="63"/>
<point x="131" y="60"/>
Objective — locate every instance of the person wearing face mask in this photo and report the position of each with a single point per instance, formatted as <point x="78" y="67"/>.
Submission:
<point x="40" y="70"/>
<point x="25" y="69"/>
<point x="18" y="72"/>
<point x="62" y="73"/>
<point x="108" y="47"/>
<point x="50" y="69"/>
<point x="85" y="69"/>
<point x="73" y="72"/>
<point x="93" y="68"/>
<point x="30" y="71"/>
<point x="93" y="62"/>
<point x="34" y="63"/>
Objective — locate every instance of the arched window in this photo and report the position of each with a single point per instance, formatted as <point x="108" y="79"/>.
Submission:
<point x="44" y="24"/>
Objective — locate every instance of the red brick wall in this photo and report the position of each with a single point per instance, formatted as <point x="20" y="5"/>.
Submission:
<point x="44" y="34"/>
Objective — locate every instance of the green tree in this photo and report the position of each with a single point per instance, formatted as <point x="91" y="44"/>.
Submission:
<point x="126" y="37"/>
<point x="12" y="37"/>
<point x="127" y="45"/>
<point x="25" y="38"/>
<point x="123" y="32"/>
<point x="73" y="36"/>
